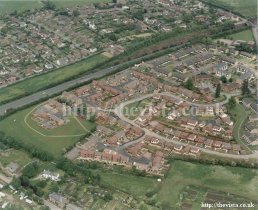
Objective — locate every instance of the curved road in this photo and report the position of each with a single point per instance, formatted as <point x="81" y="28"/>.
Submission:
<point x="119" y="112"/>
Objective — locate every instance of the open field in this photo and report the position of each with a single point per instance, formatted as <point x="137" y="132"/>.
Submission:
<point x="234" y="180"/>
<point x="135" y="185"/>
<point x="246" y="8"/>
<point x="16" y="156"/>
<point x="54" y="77"/>
<point x="225" y="179"/>
<point x="22" y="5"/>
<point x="51" y="141"/>
<point x="19" y="5"/>
<point x="246" y="35"/>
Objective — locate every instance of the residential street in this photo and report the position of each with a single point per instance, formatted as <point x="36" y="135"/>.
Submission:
<point x="119" y="112"/>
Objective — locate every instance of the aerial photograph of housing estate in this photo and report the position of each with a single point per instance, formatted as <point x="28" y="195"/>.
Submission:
<point x="128" y="105"/>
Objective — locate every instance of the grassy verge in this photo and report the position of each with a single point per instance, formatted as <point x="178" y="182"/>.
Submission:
<point x="132" y="111"/>
<point x="48" y="79"/>
<point x="240" y="115"/>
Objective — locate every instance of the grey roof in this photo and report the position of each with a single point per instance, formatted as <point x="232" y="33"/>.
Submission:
<point x="58" y="198"/>
<point x="254" y="107"/>
<point x="13" y="167"/>
<point x="246" y="75"/>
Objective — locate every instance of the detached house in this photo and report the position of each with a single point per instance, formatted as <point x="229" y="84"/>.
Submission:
<point x="221" y="69"/>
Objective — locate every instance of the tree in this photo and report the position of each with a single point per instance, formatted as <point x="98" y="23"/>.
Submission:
<point x="218" y="89"/>
<point x="54" y="187"/>
<point x="31" y="170"/>
<point x="206" y="40"/>
<point x="39" y="192"/>
<point x="232" y="102"/>
<point x="230" y="80"/>
<point x="189" y="84"/>
<point x="187" y="18"/>
<point x="25" y="182"/>
<point x="245" y="88"/>
<point x="245" y="47"/>
<point x="112" y="36"/>
<point x="14" y="13"/>
<point x="16" y="183"/>
<point x="107" y="197"/>
<point x="223" y="79"/>
<point x="48" y="5"/>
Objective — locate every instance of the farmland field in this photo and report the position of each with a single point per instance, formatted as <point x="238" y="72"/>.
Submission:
<point x="22" y="5"/>
<point x="39" y="82"/>
<point x="233" y="180"/>
<point x="246" y="35"/>
<point x="247" y="8"/>
<point x="134" y="185"/>
<point x="51" y="141"/>
<point x="236" y="180"/>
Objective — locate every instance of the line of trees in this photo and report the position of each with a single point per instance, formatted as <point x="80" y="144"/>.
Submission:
<point x="19" y="145"/>
<point x="245" y="88"/>
<point x="83" y="168"/>
<point x="215" y="161"/>
<point x="218" y="90"/>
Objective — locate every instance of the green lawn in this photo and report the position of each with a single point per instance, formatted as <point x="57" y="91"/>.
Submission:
<point x="245" y="35"/>
<point x="132" y="111"/>
<point x="239" y="114"/>
<point x="16" y="127"/>
<point x="43" y="81"/>
<point x="16" y="156"/>
<point x="22" y="5"/>
<point x="247" y="8"/>
<point x="169" y="67"/>
<point x="226" y="179"/>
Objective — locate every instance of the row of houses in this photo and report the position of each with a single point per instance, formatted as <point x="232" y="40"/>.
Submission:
<point x="158" y="85"/>
<point x="153" y="164"/>
<point x="197" y="139"/>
